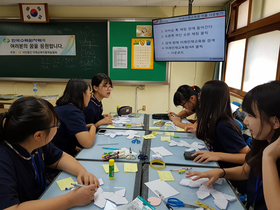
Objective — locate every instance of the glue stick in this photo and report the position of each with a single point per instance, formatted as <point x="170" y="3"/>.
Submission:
<point x="118" y="109"/>
<point x="111" y="169"/>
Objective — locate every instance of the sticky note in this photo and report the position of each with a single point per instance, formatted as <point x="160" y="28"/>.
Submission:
<point x="130" y="167"/>
<point x="169" y="133"/>
<point x="167" y="124"/>
<point x="106" y="168"/>
<point x="154" y="128"/>
<point x="165" y="176"/>
<point x="63" y="183"/>
<point x="165" y="138"/>
<point x="150" y="136"/>
<point x="180" y="130"/>
<point x="110" y="126"/>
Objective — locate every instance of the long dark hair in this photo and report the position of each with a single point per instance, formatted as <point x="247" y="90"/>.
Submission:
<point x="98" y="78"/>
<point x="73" y="93"/>
<point x="183" y="94"/>
<point x="213" y="105"/>
<point x="26" y="116"/>
<point x="266" y="99"/>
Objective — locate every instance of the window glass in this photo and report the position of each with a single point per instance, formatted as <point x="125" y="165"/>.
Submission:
<point x="264" y="8"/>
<point x="234" y="64"/>
<point x="262" y="58"/>
<point x="242" y="14"/>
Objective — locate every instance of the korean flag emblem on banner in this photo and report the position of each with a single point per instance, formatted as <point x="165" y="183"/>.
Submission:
<point x="34" y="13"/>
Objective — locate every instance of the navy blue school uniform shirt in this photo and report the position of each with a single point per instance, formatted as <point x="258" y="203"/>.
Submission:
<point x="93" y="112"/>
<point x="18" y="180"/>
<point x="72" y="121"/>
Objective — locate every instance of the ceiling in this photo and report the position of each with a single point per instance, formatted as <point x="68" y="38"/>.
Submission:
<point x="140" y="3"/>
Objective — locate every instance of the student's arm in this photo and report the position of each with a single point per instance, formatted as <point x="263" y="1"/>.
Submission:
<point x="236" y="173"/>
<point x="271" y="182"/>
<point x="177" y="121"/>
<point x="206" y="156"/>
<point x="86" y="138"/>
<point x="184" y="113"/>
<point x="77" y="197"/>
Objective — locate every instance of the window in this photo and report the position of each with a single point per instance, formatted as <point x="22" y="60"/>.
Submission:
<point x="253" y="54"/>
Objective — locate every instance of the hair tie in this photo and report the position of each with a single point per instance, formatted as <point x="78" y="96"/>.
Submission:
<point x="193" y="87"/>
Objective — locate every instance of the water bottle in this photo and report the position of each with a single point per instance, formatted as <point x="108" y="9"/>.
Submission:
<point x="35" y="90"/>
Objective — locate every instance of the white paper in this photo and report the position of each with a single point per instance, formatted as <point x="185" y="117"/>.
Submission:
<point x="110" y="206"/>
<point x="100" y="181"/>
<point x="185" y="182"/>
<point x="121" y="192"/>
<point x="202" y="194"/>
<point x="107" y="195"/>
<point x="119" y="57"/>
<point x="99" y="199"/>
<point x="221" y="203"/>
<point x="122" y="200"/>
<point x="161" y="150"/>
<point x="165" y="189"/>
<point x="216" y="194"/>
<point x="115" y="198"/>
<point x="229" y="197"/>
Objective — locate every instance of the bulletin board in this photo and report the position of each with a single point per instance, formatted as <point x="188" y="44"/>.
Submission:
<point x="121" y="34"/>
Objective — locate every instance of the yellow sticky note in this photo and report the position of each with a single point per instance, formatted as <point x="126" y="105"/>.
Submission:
<point x="167" y="124"/>
<point x="110" y="126"/>
<point x="106" y="168"/>
<point x="130" y="167"/>
<point x="63" y="183"/>
<point x="154" y="128"/>
<point x="165" y="176"/>
<point x="169" y="133"/>
<point x="165" y="138"/>
<point x="150" y="136"/>
<point x="180" y="130"/>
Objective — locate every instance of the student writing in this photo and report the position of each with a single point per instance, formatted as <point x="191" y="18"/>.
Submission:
<point x="185" y="96"/>
<point x="101" y="88"/>
<point x="74" y="133"/>
<point x="25" y="151"/>
<point x="262" y="166"/>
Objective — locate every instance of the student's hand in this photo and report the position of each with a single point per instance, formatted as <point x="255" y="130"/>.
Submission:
<point x="272" y="150"/>
<point x="109" y="116"/>
<point x="82" y="196"/>
<point x="205" y="156"/>
<point x="190" y="129"/>
<point x="105" y="121"/>
<point x="87" y="178"/>
<point x="175" y="119"/>
<point x="89" y="125"/>
<point x="212" y="175"/>
<point x="172" y="114"/>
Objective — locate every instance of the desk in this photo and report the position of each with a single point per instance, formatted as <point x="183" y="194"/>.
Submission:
<point x="8" y="103"/>
<point x="164" y="127"/>
<point x="132" y="120"/>
<point x="129" y="181"/>
<point x="95" y="152"/>
<point x="187" y="194"/>
<point x="178" y="152"/>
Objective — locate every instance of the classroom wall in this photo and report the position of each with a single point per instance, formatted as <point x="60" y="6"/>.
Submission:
<point x="157" y="98"/>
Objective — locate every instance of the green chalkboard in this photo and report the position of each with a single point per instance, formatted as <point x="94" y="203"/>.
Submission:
<point x="121" y="33"/>
<point x="91" y="51"/>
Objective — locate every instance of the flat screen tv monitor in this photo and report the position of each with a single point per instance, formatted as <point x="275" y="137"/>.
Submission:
<point x="197" y="37"/>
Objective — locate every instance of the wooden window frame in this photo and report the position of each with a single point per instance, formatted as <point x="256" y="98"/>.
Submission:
<point x="261" y="26"/>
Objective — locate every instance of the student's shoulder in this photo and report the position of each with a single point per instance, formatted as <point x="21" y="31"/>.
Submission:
<point x="67" y="109"/>
<point x="6" y="154"/>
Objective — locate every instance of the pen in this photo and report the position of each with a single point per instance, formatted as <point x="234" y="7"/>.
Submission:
<point x="69" y="188"/>
<point x="111" y="148"/>
<point x="77" y="185"/>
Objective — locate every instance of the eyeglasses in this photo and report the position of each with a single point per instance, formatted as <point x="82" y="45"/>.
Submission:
<point x="183" y="105"/>
<point x="107" y="87"/>
<point x="54" y="126"/>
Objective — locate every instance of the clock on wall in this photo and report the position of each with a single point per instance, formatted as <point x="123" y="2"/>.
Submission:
<point x="34" y="13"/>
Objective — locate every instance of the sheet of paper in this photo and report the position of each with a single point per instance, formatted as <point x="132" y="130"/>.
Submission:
<point x="130" y="167"/>
<point x="106" y="168"/>
<point x="165" y="138"/>
<point x="110" y="126"/>
<point x="165" y="176"/>
<point x="115" y="198"/>
<point x="180" y="130"/>
<point x="99" y="199"/>
<point x="161" y="150"/>
<point x="154" y="128"/>
<point x="165" y="189"/>
<point x="121" y="192"/>
<point x="63" y="183"/>
<point x="100" y="181"/>
<point x="110" y="206"/>
<point x="150" y="136"/>
<point x="169" y="133"/>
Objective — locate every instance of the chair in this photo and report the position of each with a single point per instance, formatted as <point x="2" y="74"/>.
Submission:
<point x="239" y="124"/>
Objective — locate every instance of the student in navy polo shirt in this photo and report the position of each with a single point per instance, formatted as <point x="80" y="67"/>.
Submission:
<point x="187" y="97"/>
<point x="25" y="151"/>
<point x="101" y="88"/>
<point x="262" y="166"/>
<point x="74" y="133"/>
<point x="216" y="125"/>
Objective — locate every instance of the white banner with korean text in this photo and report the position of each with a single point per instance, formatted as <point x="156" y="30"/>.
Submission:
<point x="38" y="45"/>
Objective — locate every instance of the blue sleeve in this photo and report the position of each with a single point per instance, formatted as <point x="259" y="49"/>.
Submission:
<point x="8" y="184"/>
<point x="230" y="139"/>
<point x="89" y="115"/>
<point x="52" y="153"/>
<point x="75" y="122"/>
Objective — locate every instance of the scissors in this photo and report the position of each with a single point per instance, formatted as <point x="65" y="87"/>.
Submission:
<point x="142" y="156"/>
<point x="135" y="141"/>
<point x="177" y="203"/>
<point x="130" y="156"/>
